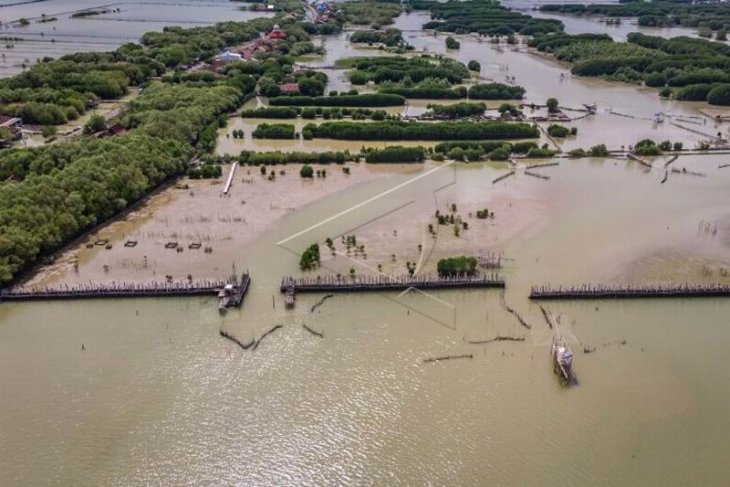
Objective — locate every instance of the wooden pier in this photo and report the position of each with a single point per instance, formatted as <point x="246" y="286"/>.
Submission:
<point x="593" y="291"/>
<point x="322" y="284"/>
<point x="113" y="290"/>
<point x="131" y="290"/>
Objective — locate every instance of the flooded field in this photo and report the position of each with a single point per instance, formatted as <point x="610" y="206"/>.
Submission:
<point x="146" y="391"/>
<point x="105" y="32"/>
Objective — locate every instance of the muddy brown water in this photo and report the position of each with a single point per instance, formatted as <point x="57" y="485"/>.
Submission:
<point x="157" y="397"/>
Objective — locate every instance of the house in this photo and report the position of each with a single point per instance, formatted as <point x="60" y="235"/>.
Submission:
<point x="14" y="124"/>
<point x="229" y="56"/>
<point x="276" y="33"/>
<point x="289" y="88"/>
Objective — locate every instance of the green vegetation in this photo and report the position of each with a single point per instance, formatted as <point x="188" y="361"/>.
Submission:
<point x="647" y="147"/>
<point x="271" y="112"/>
<point x="474" y="65"/>
<point x="205" y="171"/>
<point x="406" y="70"/>
<point x="495" y="150"/>
<point x="367" y="100"/>
<point x="90" y="13"/>
<point x="278" y="157"/>
<point x="599" y="150"/>
<point x="427" y="90"/>
<point x="388" y="37"/>
<point x="540" y="152"/>
<point x="683" y="67"/>
<point x="274" y="131"/>
<point x="555" y="130"/>
<point x="306" y="171"/>
<point x="394" y="130"/>
<point x="496" y="91"/>
<point x="658" y="13"/>
<point x="458" y="110"/>
<point x="485" y="17"/>
<point x="452" y="43"/>
<point x="368" y="12"/>
<point x="96" y="123"/>
<point x="395" y="154"/>
<point x="314" y="112"/>
<point x="310" y="257"/>
<point x="51" y="194"/>
<point x="457" y="266"/>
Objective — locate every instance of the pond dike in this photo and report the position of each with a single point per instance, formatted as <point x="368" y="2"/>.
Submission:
<point x="591" y="291"/>
<point x="386" y="283"/>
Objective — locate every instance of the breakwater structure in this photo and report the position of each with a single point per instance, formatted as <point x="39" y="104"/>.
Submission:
<point x="598" y="291"/>
<point x="387" y="283"/>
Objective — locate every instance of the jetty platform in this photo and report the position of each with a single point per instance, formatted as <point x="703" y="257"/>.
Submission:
<point x="592" y="291"/>
<point x="320" y="284"/>
<point x="130" y="290"/>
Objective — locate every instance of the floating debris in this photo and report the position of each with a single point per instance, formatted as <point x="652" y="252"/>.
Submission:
<point x="507" y="308"/>
<point x="235" y="340"/>
<point x="320" y="302"/>
<point x="447" y="357"/>
<point x="547" y="318"/>
<point x="504" y="176"/>
<point x="258" y="342"/>
<point x="498" y="338"/>
<point x="312" y="331"/>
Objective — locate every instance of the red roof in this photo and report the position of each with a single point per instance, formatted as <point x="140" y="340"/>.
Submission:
<point x="289" y="88"/>
<point x="277" y="34"/>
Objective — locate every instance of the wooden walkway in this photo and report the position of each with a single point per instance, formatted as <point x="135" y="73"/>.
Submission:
<point x="591" y="291"/>
<point x="113" y="290"/>
<point x="386" y="283"/>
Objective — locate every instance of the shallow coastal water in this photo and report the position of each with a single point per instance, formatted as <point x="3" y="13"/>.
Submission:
<point x="157" y="397"/>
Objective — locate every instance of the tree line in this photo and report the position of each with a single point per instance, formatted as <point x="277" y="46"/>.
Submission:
<point x="396" y="130"/>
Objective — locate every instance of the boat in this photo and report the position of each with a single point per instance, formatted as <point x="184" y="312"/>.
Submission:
<point x="563" y="359"/>
<point x="224" y="298"/>
<point x="289" y="298"/>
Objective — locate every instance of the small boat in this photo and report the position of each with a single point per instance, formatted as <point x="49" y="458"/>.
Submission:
<point x="563" y="359"/>
<point x="289" y="298"/>
<point x="224" y="297"/>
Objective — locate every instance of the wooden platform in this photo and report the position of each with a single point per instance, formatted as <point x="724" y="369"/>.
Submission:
<point x="386" y="283"/>
<point x="115" y="290"/>
<point x="590" y="291"/>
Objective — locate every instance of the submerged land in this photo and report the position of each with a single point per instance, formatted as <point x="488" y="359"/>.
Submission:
<point x="371" y="140"/>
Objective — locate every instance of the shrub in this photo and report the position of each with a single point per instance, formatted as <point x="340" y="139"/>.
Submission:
<point x="274" y="131"/>
<point x="499" y="154"/>
<point x="537" y="152"/>
<point x="474" y="65"/>
<point x="556" y="130"/>
<point x="396" y="130"/>
<point x="452" y="43"/>
<point x="719" y="95"/>
<point x="306" y="171"/>
<point x="457" y="266"/>
<point x="496" y="91"/>
<point x="270" y="112"/>
<point x="310" y="258"/>
<point x="579" y="152"/>
<point x="396" y="153"/>
<point x="552" y="105"/>
<point x="367" y="100"/>
<point x="599" y="150"/>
